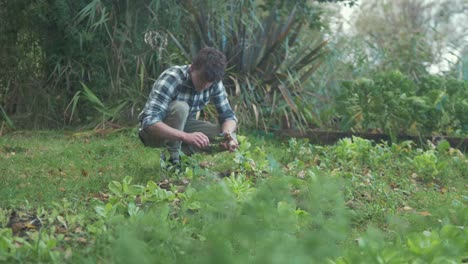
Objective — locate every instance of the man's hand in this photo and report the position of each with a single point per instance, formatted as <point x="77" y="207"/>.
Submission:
<point x="197" y="139"/>
<point x="230" y="143"/>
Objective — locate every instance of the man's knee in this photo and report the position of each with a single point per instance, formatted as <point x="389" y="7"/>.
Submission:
<point x="176" y="117"/>
<point x="179" y="109"/>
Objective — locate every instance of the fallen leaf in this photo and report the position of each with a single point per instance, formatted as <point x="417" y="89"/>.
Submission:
<point x="62" y="221"/>
<point x="407" y="208"/>
<point x="301" y="174"/>
<point x="82" y="240"/>
<point x="18" y="245"/>
<point x="205" y="164"/>
<point x="17" y="227"/>
<point x="424" y="213"/>
<point x="101" y="196"/>
<point x="61" y="230"/>
<point x="30" y="226"/>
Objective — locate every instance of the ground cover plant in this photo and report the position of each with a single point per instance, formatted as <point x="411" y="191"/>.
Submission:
<point x="103" y="198"/>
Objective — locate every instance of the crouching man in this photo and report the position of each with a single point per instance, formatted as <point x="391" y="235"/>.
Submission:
<point x="168" y="118"/>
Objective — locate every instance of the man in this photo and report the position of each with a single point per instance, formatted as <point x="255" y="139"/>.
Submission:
<point x="168" y="118"/>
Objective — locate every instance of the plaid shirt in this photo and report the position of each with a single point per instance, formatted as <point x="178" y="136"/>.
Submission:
<point x="175" y="84"/>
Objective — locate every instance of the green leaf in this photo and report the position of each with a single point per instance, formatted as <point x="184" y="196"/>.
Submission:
<point x="95" y="101"/>
<point x="132" y="209"/>
<point x="443" y="146"/>
<point x="194" y="205"/>
<point x="133" y="190"/>
<point x="62" y="221"/>
<point x="6" y="118"/>
<point x="116" y="188"/>
<point x="423" y="244"/>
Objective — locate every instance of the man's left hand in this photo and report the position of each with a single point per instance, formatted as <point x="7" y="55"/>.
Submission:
<point x="230" y="144"/>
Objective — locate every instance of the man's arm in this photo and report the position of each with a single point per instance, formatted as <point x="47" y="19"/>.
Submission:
<point x="226" y="116"/>
<point x="198" y="139"/>
<point x="229" y="126"/>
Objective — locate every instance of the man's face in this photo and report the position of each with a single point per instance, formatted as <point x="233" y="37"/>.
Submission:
<point x="198" y="80"/>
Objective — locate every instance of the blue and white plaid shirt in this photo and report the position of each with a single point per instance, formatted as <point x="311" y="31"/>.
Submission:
<point x="175" y="84"/>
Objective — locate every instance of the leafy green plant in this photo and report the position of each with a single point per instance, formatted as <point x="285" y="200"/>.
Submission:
<point x="107" y="114"/>
<point x="381" y="103"/>
<point x="251" y="161"/>
<point x="43" y="244"/>
<point x="442" y="245"/>
<point x="240" y="186"/>
<point x="426" y="164"/>
<point x="300" y="148"/>
<point x="354" y="149"/>
<point x="446" y="98"/>
<point x="124" y="196"/>
<point x="391" y="102"/>
<point x="8" y="244"/>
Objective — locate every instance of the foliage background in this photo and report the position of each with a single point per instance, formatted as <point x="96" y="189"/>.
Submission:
<point x="92" y="63"/>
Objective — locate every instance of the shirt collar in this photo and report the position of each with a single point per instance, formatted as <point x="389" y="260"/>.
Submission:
<point x="187" y="80"/>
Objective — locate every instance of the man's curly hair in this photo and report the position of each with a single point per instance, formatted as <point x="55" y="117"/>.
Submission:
<point x="212" y="63"/>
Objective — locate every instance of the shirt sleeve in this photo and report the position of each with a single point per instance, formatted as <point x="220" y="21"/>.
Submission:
<point x="161" y="95"/>
<point x="221" y="102"/>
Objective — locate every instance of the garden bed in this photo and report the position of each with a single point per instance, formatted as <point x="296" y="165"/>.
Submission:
<point x="330" y="137"/>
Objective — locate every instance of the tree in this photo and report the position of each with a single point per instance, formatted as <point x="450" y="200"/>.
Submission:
<point x="411" y="35"/>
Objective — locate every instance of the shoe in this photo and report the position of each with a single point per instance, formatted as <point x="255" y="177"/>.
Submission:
<point x="169" y="164"/>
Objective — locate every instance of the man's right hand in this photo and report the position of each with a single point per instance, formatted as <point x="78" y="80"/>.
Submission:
<point x="197" y="139"/>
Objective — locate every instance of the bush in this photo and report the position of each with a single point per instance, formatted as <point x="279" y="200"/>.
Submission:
<point x="391" y="102"/>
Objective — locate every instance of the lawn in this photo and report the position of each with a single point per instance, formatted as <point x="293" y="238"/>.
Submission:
<point x="102" y="197"/>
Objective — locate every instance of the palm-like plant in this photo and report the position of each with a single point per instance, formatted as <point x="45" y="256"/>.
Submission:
<point x="268" y="60"/>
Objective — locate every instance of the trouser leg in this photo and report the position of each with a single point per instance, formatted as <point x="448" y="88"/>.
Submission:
<point x="176" y="118"/>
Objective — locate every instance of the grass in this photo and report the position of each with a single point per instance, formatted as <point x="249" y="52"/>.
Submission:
<point x="102" y="197"/>
<point x="43" y="167"/>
